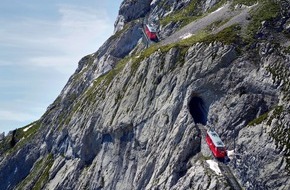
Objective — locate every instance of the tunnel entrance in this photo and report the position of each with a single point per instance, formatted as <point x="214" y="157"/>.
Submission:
<point x="198" y="110"/>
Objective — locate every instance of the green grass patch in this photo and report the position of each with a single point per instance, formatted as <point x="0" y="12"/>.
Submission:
<point x="89" y="60"/>
<point x="189" y="13"/>
<point x="34" y="173"/>
<point x="245" y="2"/>
<point x="276" y="114"/>
<point x="229" y="35"/>
<point x="184" y="15"/>
<point x="137" y="59"/>
<point x="259" y="120"/>
<point x="268" y="10"/>
<point x="107" y="78"/>
<point x="98" y="89"/>
<point x="213" y="26"/>
<point x="30" y="129"/>
<point x="38" y="175"/>
<point x="281" y="75"/>
<point x="10" y="144"/>
<point x="198" y="37"/>
<point x="267" y="117"/>
<point x="26" y="136"/>
<point x="41" y="181"/>
<point x="5" y="145"/>
<point x="287" y="50"/>
<point x="280" y="132"/>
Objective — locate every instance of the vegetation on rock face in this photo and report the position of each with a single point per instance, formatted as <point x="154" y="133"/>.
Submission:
<point x="227" y="36"/>
<point x="117" y="34"/>
<point x="87" y="60"/>
<point x="185" y="15"/>
<point x="74" y="105"/>
<point x="230" y="35"/>
<point x="267" y="11"/>
<point x="281" y="76"/>
<point x="18" y="137"/>
<point x="267" y="117"/>
<point x="45" y="173"/>
<point x="39" y="174"/>
<point x="213" y="26"/>
<point x="281" y="133"/>
<point x="259" y="119"/>
<point x="245" y="2"/>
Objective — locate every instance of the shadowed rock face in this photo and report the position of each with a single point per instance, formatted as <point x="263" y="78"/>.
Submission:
<point x="197" y="110"/>
<point x="13" y="139"/>
<point x="134" y="9"/>
<point x="134" y="127"/>
<point x="131" y="10"/>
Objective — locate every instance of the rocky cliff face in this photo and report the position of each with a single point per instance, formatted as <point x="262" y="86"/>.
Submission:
<point x="127" y="118"/>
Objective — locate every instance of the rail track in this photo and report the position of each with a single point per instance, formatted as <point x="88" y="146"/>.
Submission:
<point x="231" y="179"/>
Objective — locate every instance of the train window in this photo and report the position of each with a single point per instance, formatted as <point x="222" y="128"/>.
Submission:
<point x="221" y="149"/>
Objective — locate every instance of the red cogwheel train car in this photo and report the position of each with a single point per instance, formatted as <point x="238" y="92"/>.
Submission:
<point x="215" y="144"/>
<point x="150" y="32"/>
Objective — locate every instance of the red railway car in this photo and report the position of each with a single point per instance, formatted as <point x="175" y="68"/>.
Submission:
<point x="215" y="144"/>
<point x="150" y="32"/>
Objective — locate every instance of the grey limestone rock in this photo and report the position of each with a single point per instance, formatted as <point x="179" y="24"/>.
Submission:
<point x="131" y="118"/>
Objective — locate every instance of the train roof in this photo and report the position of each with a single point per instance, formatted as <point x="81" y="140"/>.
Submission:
<point x="151" y="28"/>
<point x="215" y="139"/>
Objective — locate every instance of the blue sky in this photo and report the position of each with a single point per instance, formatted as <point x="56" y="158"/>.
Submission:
<point x="41" y="43"/>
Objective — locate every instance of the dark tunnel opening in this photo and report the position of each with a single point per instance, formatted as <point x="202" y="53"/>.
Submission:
<point x="198" y="110"/>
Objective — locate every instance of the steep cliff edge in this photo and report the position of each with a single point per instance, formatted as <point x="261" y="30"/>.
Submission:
<point x="127" y="118"/>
